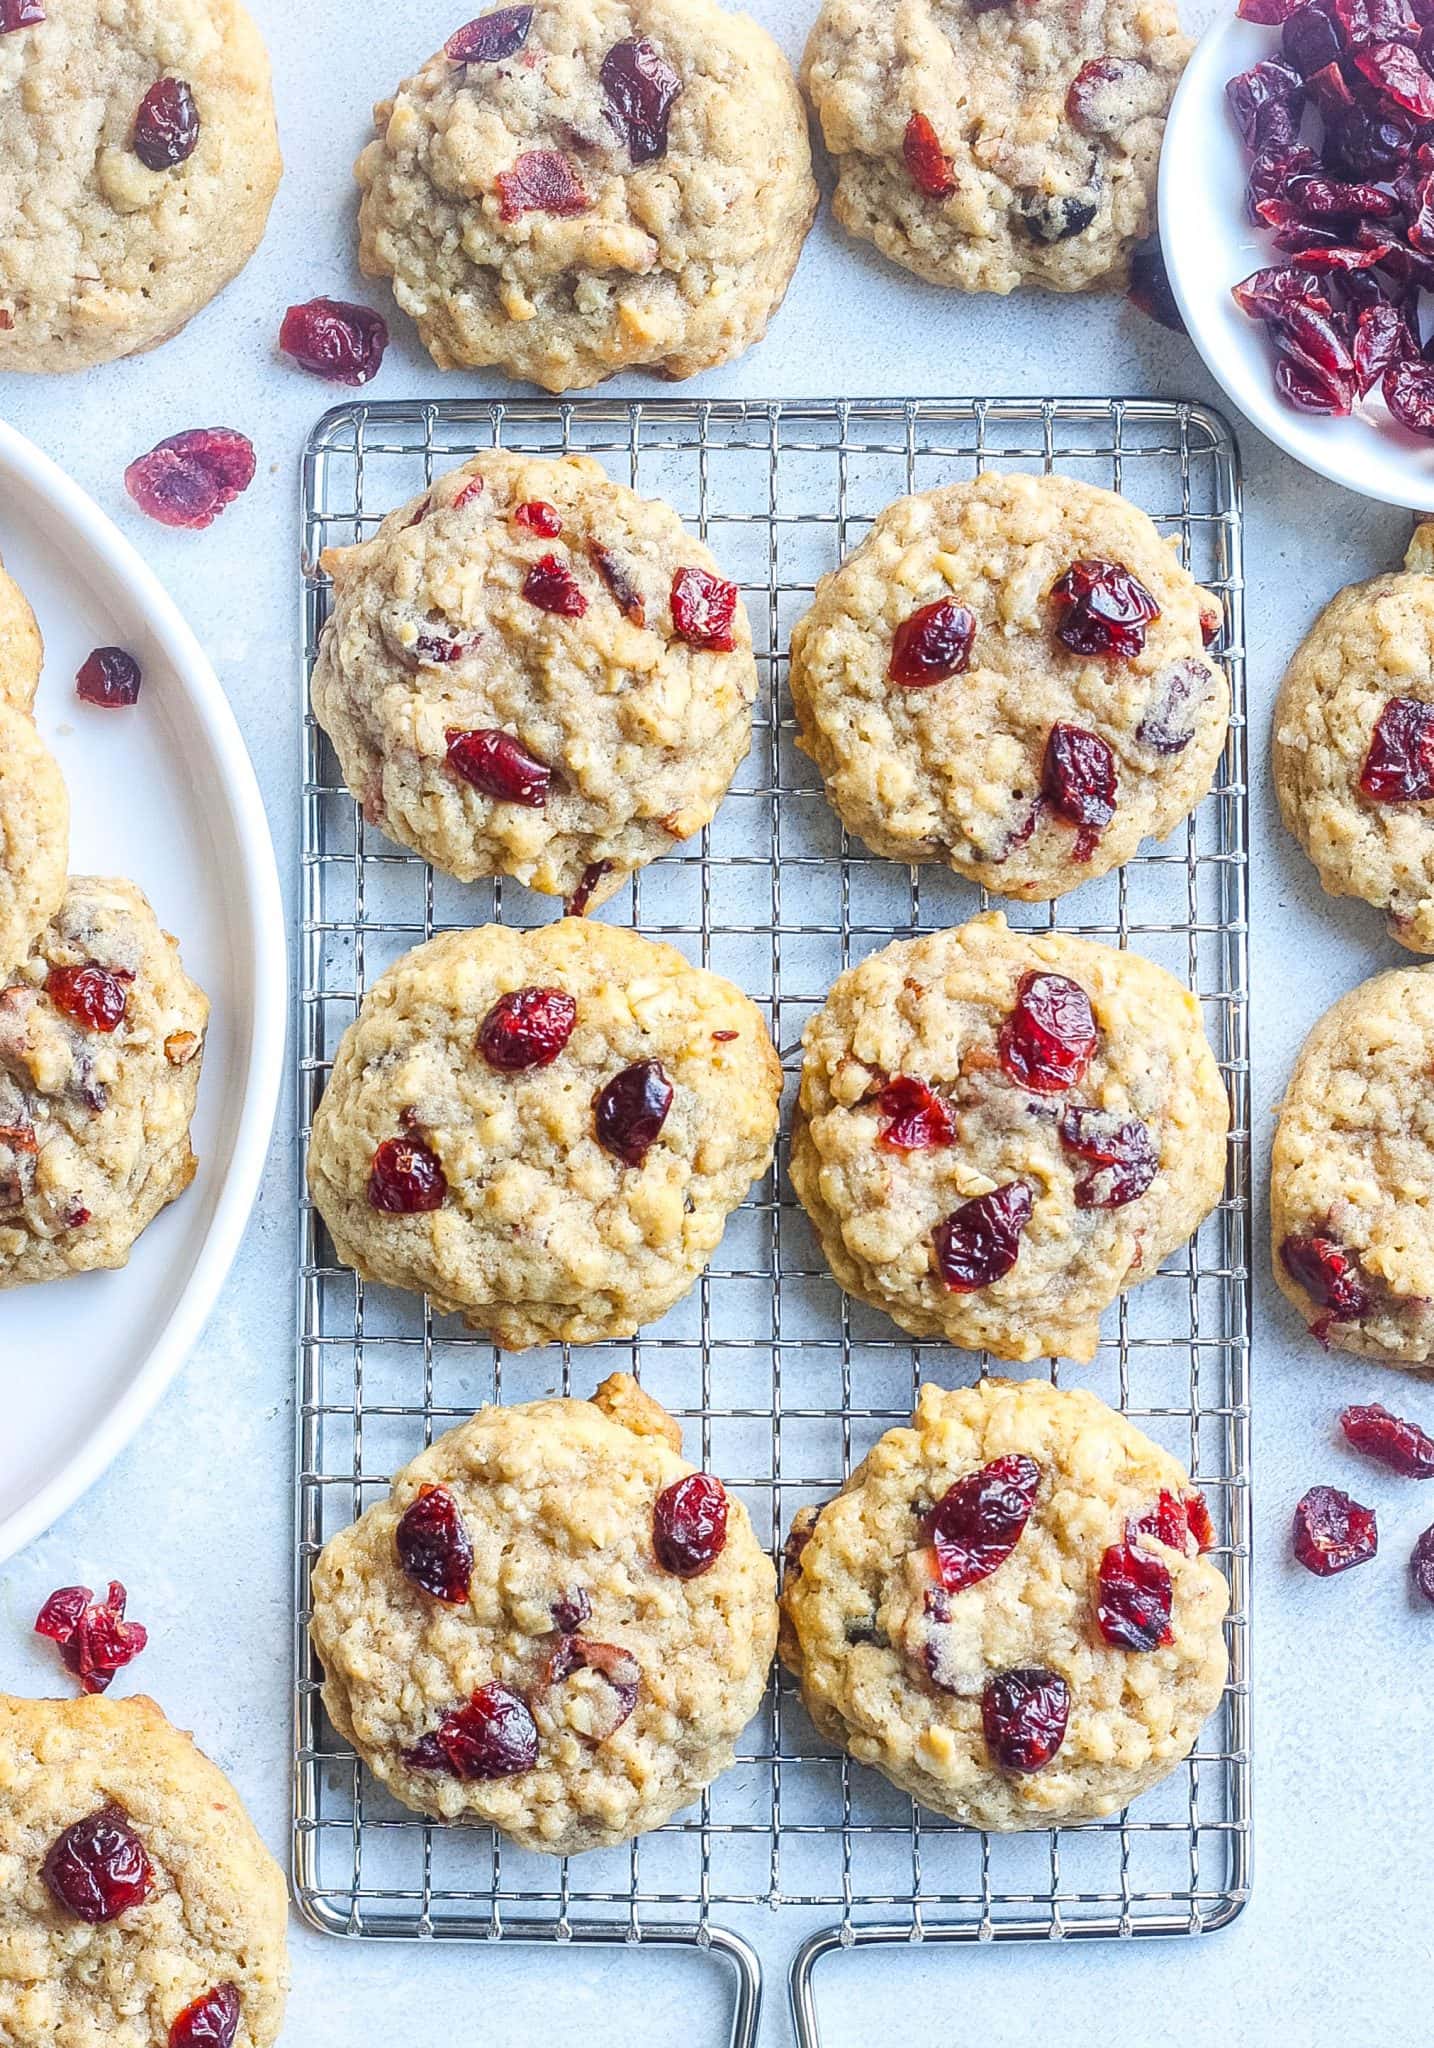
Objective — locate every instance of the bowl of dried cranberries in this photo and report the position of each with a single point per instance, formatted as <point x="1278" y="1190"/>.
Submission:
<point x="1297" y="218"/>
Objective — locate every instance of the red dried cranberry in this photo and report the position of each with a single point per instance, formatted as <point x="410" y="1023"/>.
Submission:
<point x="94" y="1638"/>
<point x="979" y="1520"/>
<point x="405" y="1178"/>
<point x="640" y="87"/>
<point x="1167" y="1521"/>
<point x="1403" y="1446"/>
<point x="1078" y="781"/>
<point x="1119" y="1149"/>
<point x="434" y="1547"/>
<point x="1267" y="102"/>
<point x="1269" y="13"/>
<point x="980" y="1242"/>
<point x="1374" y="21"/>
<point x="98" y="1869"/>
<point x="1408" y="389"/>
<point x="631" y="1111"/>
<point x="493" y="1736"/>
<point x="20" y="14"/>
<point x="917" y="1118"/>
<point x="541" y="181"/>
<point x="1168" y="727"/>
<point x="495" y="764"/>
<point x="1101" y="609"/>
<point x="703" y="608"/>
<point x="1364" y="142"/>
<point x="89" y="996"/>
<point x="1133" y="1605"/>
<point x="335" y="340"/>
<point x="166" y="128"/>
<point x="188" y="479"/>
<point x="474" y="488"/>
<point x="1329" y="1275"/>
<point x="1150" y="287"/>
<point x="620" y="1669"/>
<point x="571" y="1609"/>
<point x="932" y="644"/>
<point x="1399" y="78"/>
<point x="1202" y="1528"/>
<point x="111" y="678"/>
<point x="211" y="2022"/>
<point x="689" y="1525"/>
<point x="1097" y="101"/>
<point x="582" y="896"/>
<point x="526" y="1028"/>
<point x="1049" y="1039"/>
<point x="1024" y="1715"/>
<point x="619" y="584"/>
<point x="1421" y="1565"/>
<point x="926" y="161"/>
<point x="1307" y="392"/>
<point x="1265" y="294"/>
<point x="491" y="37"/>
<point x="1333" y="1532"/>
<point x="436" y="650"/>
<point x="552" y="587"/>
<point x="1311" y="39"/>
<point x="539" y="517"/>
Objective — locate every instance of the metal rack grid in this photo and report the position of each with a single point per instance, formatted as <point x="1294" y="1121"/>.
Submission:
<point x="781" y="1383"/>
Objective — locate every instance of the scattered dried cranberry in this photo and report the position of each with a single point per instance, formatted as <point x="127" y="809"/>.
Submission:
<point x="917" y="1118"/>
<point x="926" y="161"/>
<point x="703" y="608"/>
<point x="405" y="1178"/>
<point x="619" y="584"/>
<point x="1133" y="1605"/>
<point x="1329" y="1275"/>
<point x="1168" y="726"/>
<point x="94" y="1638"/>
<point x="1150" y="288"/>
<point x="979" y="1520"/>
<point x="166" y="128"/>
<point x="190" y="478"/>
<point x="1078" y="781"/>
<point x="1024" y="1715"/>
<point x="89" y="996"/>
<point x="582" y="896"/>
<point x="527" y="1028"/>
<point x="541" y="181"/>
<point x="434" y="1547"/>
<point x="98" y="1869"/>
<point x="980" y="1242"/>
<point x="932" y="644"/>
<point x="571" y="1609"/>
<point x="552" y="587"/>
<point x="1403" y="1446"/>
<point x="689" y="1525"/>
<point x="632" y="1109"/>
<point x="1101" y="609"/>
<point x="20" y="14"/>
<point x="341" y="342"/>
<point x="1119" y="1149"/>
<point x="111" y="678"/>
<point x="1398" y="77"/>
<point x="1267" y="102"/>
<point x="640" y="87"/>
<point x="211" y="2022"/>
<point x="491" y="37"/>
<point x="1421" y="1565"/>
<point x="493" y="1736"/>
<point x="1333" y="1532"/>
<point x="539" y="517"/>
<point x="495" y="764"/>
<point x="1049" y="1039"/>
<point x="618" y="1667"/>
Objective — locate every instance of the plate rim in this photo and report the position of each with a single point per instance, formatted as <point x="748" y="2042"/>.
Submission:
<point x="261" y="940"/>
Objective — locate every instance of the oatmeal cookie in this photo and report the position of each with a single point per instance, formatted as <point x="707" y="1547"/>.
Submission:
<point x="544" y="1131"/>
<point x="21" y="651"/>
<point x="986" y="149"/>
<point x="531" y="671"/>
<point x="142" y="160"/>
<point x="1006" y="1610"/>
<point x="597" y="185"/>
<point x="963" y="691"/>
<point x="193" y="1906"/>
<point x="998" y="1132"/>
<point x="551" y="1626"/>
<point x="101" y="1038"/>
<point x="34" y="834"/>
<point x="1352" y="1173"/>
<point x="1354" y="744"/>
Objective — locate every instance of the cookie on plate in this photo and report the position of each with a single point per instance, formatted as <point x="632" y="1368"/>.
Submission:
<point x="544" y="1131"/>
<point x="34" y="834"/>
<point x="1009" y="676"/>
<point x="552" y="1625"/>
<point x="133" y="1887"/>
<point x="1354" y="744"/>
<point x="582" y="186"/>
<point x="143" y="161"/>
<point x="21" y="650"/>
<point x="531" y="671"/>
<point x="1006" y="1609"/>
<point x="986" y="151"/>
<point x="1352" y="1173"/>
<point x="101" y="1039"/>
<point x="998" y="1132"/>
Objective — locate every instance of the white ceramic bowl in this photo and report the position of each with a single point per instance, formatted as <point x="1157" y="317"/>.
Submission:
<point x="165" y="794"/>
<point x="1210" y="244"/>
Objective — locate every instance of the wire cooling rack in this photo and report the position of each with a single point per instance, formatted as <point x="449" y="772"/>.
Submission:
<point x="780" y="1382"/>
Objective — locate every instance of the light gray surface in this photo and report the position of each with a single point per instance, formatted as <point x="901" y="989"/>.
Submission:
<point x="196" y="1516"/>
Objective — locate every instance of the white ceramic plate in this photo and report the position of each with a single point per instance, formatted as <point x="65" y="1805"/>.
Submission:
<point x="1210" y="244"/>
<point x="165" y="794"/>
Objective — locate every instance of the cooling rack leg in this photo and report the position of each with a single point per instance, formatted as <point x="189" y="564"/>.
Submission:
<point x="748" y="2008"/>
<point x="804" y="2001"/>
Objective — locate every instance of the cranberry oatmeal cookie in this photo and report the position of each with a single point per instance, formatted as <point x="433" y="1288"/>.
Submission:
<point x="544" y="1131"/>
<point x="998" y="1132"/>
<point x="21" y="651"/>
<point x="138" y="1907"/>
<point x="1008" y="676"/>
<point x="986" y="146"/>
<point x="531" y="671"/>
<point x="577" y="187"/>
<point x="34" y="834"/>
<point x="1006" y="1609"/>
<point x="142" y="162"/>
<point x="552" y="1626"/>
<point x="101" y="1039"/>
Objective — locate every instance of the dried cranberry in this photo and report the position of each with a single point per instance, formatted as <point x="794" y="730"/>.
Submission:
<point x="631" y="1111"/>
<point x="1328" y="1274"/>
<point x="491" y="37"/>
<point x="1333" y="1532"/>
<point x="341" y="342"/>
<point x="1363" y="142"/>
<point x="1024" y="1715"/>
<point x="110" y="677"/>
<point x="1308" y="392"/>
<point x="20" y="14"/>
<point x="1202" y="1528"/>
<point x="689" y="1525"/>
<point x="188" y="479"/>
<point x="1167" y="1521"/>
<point x="405" y="1178"/>
<point x="1078" y="781"/>
<point x="98" y="1868"/>
<point x="1167" y="727"/>
<point x="1421" y="1565"/>
<point x="1120" y="1150"/>
<point x="980" y="1242"/>
<point x="620" y="1669"/>
<point x="1269" y="13"/>
<point x="640" y="87"/>
<point x="926" y="161"/>
<point x="474" y="488"/>
<point x="1381" y="336"/>
<point x="94" y="1638"/>
<point x="438" y="650"/>
<point x="166" y="128"/>
<point x="582" y="896"/>
<point x="1049" y="1039"/>
<point x="571" y="1609"/>
<point x="619" y="584"/>
<point x="526" y="1028"/>
<point x="434" y="1547"/>
<point x="1267" y="101"/>
<point x="1265" y="294"/>
<point x="493" y="1736"/>
<point x="1102" y="609"/>
<point x="541" y="181"/>
<point x="1408" y="389"/>
<point x="494" y="763"/>
<point x="211" y="2022"/>
<point x="703" y="608"/>
<point x="1403" y="1446"/>
<point x="979" y="1520"/>
<point x="1311" y="39"/>
<point x="89" y="996"/>
<point x="1150" y="287"/>
<point x="539" y="517"/>
<point x="552" y="587"/>
<point x="932" y="644"/>
<point x="1097" y="101"/>
<point x="1373" y="21"/>
<point x="917" y="1118"/>
<point x="1133" y="1605"/>
<point x="1399" y="78"/>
